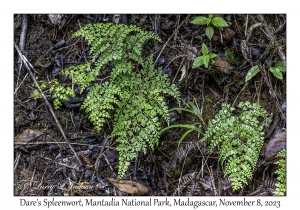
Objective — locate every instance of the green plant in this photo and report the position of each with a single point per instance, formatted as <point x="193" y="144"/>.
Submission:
<point x="36" y="94"/>
<point x="209" y="21"/>
<point x="134" y="96"/>
<point x="205" y="58"/>
<point x="240" y="139"/>
<point x="281" y="174"/>
<point x="276" y="71"/>
<point x="229" y="55"/>
<point x="194" y="127"/>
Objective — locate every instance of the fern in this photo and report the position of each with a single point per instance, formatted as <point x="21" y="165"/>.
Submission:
<point x="134" y="96"/>
<point x="240" y="139"/>
<point x="281" y="173"/>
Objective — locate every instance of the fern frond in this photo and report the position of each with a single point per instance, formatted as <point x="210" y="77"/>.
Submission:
<point x="134" y="96"/>
<point x="240" y="139"/>
<point x="281" y="173"/>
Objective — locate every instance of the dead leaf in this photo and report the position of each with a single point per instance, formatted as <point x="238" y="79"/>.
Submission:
<point x="222" y="65"/>
<point x="130" y="186"/>
<point x="167" y="25"/>
<point x="28" y="135"/>
<point x="228" y="34"/>
<point x="275" y="145"/>
<point x="112" y="155"/>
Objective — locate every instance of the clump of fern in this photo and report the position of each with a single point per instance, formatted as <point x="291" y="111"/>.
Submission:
<point x="281" y="174"/>
<point x="134" y="95"/>
<point x="240" y="138"/>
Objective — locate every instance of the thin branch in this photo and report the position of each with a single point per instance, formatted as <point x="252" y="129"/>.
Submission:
<point x="245" y="85"/>
<point x="100" y="154"/>
<point x="187" y="17"/>
<point x="29" y="67"/>
<point x="271" y="37"/>
<point x="271" y="90"/>
<point x="54" y="142"/>
<point x="23" y="37"/>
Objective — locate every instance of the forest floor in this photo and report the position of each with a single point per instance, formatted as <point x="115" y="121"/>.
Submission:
<point x="45" y="165"/>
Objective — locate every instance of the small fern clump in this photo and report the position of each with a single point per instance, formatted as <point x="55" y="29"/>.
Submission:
<point x="281" y="174"/>
<point x="240" y="139"/>
<point x="134" y="96"/>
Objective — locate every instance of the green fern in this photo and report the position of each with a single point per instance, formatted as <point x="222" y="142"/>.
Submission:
<point x="240" y="139"/>
<point x="281" y="174"/>
<point x="134" y="96"/>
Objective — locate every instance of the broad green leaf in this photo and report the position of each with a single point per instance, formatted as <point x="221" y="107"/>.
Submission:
<point x="212" y="55"/>
<point x="201" y="20"/>
<point x="208" y="21"/>
<point x="229" y="55"/>
<point x="206" y="60"/>
<point x="219" y="22"/>
<point x="209" y="31"/>
<point x="204" y="49"/>
<point x="183" y="71"/>
<point x="197" y="62"/>
<point x="210" y="16"/>
<point x="251" y="73"/>
<point x="281" y="66"/>
<point x="276" y="72"/>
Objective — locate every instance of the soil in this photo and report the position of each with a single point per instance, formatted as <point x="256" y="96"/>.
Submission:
<point x="44" y="163"/>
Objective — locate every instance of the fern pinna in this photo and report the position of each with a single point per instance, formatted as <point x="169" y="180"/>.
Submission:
<point x="134" y="96"/>
<point x="280" y="189"/>
<point x="240" y="139"/>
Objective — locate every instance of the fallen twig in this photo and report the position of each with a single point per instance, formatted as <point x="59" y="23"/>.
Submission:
<point x="187" y="17"/>
<point x="244" y="43"/>
<point x="100" y="155"/>
<point x="271" y="37"/>
<point x="18" y="156"/>
<point x="23" y="37"/>
<point x="213" y="180"/>
<point x="29" y="67"/>
<point x="112" y="170"/>
<point x="271" y="90"/>
<point x="245" y="85"/>
<point x="54" y="142"/>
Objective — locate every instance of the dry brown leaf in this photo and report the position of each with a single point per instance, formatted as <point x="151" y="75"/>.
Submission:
<point x="28" y="135"/>
<point x="228" y="34"/>
<point x="130" y="186"/>
<point x="275" y="145"/>
<point x="222" y="65"/>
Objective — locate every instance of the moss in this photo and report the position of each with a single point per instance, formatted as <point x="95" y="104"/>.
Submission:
<point x="208" y="112"/>
<point x="175" y="172"/>
<point x="43" y="60"/>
